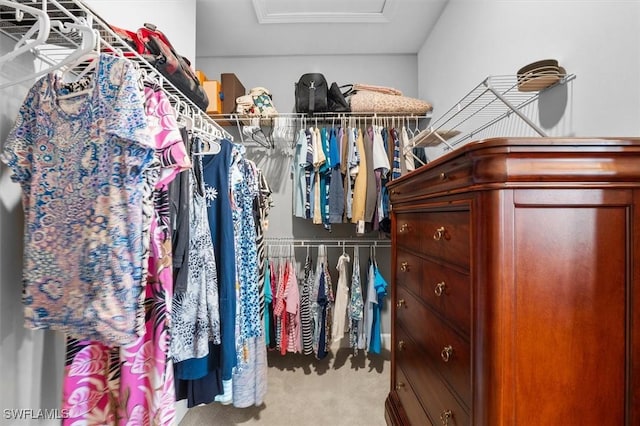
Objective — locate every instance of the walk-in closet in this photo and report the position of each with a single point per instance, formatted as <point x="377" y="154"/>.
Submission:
<point x="362" y="212"/>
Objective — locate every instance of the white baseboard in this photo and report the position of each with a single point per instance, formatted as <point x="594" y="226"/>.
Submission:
<point x="386" y="341"/>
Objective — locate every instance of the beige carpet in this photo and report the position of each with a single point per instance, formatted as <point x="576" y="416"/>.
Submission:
<point x="303" y="391"/>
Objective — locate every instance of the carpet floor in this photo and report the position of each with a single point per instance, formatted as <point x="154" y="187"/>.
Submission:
<point x="341" y="389"/>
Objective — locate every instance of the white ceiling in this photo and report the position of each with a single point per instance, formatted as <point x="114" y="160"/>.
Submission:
<point x="313" y="27"/>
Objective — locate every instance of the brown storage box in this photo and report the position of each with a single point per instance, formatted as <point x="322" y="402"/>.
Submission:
<point x="231" y="89"/>
<point x="212" y="87"/>
<point x="202" y="77"/>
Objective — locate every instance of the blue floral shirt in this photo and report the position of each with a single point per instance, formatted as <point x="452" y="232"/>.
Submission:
<point x="81" y="164"/>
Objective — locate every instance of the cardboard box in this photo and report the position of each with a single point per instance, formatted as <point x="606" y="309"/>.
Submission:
<point x="212" y="88"/>
<point x="202" y="77"/>
<point x="231" y="89"/>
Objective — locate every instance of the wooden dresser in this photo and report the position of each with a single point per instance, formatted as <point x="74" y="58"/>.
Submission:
<point x="515" y="293"/>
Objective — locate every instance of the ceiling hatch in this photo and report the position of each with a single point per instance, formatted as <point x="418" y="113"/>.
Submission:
<point x="323" y="11"/>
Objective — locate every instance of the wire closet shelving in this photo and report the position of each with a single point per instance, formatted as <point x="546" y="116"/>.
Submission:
<point x="495" y="100"/>
<point x="60" y="43"/>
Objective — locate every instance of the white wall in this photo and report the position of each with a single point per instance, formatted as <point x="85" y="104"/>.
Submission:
<point x="175" y="18"/>
<point x="279" y="73"/>
<point x="598" y="41"/>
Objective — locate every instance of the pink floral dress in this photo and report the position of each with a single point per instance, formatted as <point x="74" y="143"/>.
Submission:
<point x="133" y="384"/>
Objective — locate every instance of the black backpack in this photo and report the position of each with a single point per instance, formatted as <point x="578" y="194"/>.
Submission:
<point x="311" y="93"/>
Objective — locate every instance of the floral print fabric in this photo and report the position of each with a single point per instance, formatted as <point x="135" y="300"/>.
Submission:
<point x="81" y="164"/>
<point x="196" y="314"/>
<point x="244" y="191"/>
<point x="133" y="384"/>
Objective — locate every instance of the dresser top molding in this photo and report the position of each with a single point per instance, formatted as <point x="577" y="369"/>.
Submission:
<point x="497" y="163"/>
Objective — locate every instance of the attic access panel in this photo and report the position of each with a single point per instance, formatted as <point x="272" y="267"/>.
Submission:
<point x="319" y="11"/>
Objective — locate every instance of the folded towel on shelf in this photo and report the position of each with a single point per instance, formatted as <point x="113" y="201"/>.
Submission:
<point x="374" y="88"/>
<point x="367" y="101"/>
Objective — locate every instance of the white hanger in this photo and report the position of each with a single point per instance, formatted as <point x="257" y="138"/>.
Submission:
<point x="89" y="37"/>
<point x="42" y="26"/>
<point x="92" y="57"/>
<point x="417" y="130"/>
<point x="185" y="118"/>
<point x="407" y="126"/>
<point x="151" y="76"/>
<point x="208" y="134"/>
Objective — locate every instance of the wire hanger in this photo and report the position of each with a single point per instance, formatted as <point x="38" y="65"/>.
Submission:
<point x="42" y="26"/>
<point x="88" y="44"/>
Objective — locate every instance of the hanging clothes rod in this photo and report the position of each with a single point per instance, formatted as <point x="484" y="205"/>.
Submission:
<point x="318" y="117"/>
<point x="332" y="242"/>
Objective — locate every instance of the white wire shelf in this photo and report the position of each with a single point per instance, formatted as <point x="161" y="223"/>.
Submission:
<point x="328" y="242"/>
<point x="60" y="44"/>
<point x="494" y="101"/>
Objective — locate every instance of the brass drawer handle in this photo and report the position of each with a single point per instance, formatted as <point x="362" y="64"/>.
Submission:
<point x="446" y="353"/>
<point x="399" y="385"/>
<point x="440" y="288"/>
<point x="401" y="345"/>
<point x="400" y="303"/>
<point x="445" y="416"/>
<point x="440" y="234"/>
<point x="404" y="228"/>
<point x="404" y="266"/>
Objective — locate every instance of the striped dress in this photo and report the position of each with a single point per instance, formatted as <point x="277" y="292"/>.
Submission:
<point x="356" y="305"/>
<point x="262" y="205"/>
<point x="306" y="320"/>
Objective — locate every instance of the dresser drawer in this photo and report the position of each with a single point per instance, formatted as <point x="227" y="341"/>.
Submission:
<point x="410" y="271"/>
<point x="445" y="235"/>
<point x="441" y="405"/>
<point x="409" y="231"/>
<point x="410" y="403"/>
<point x="447" y="291"/>
<point x="446" y="350"/>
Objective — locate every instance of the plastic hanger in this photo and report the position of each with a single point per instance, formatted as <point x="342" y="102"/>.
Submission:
<point x="185" y="120"/>
<point x="88" y="44"/>
<point x="183" y="116"/>
<point x="356" y="256"/>
<point x="92" y="59"/>
<point x="42" y="26"/>
<point x="209" y="134"/>
<point x="416" y="131"/>
<point x="407" y="126"/>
